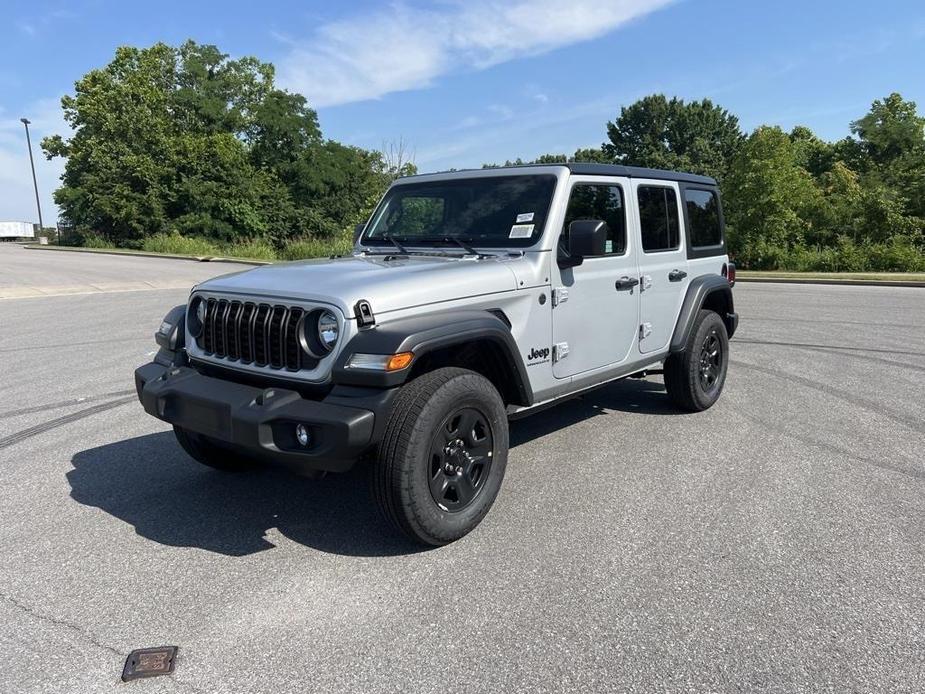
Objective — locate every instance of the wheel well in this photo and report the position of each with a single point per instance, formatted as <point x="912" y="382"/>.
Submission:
<point x="484" y="356"/>
<point x="719" y="302"/>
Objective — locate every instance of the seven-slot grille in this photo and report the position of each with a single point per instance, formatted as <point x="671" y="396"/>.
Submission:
<point x="252" y="333"/>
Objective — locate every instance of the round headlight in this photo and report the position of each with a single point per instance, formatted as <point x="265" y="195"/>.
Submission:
<point x="328" y="330"/>
<point x="196" y="316"/>
<point x="318" y="332"/>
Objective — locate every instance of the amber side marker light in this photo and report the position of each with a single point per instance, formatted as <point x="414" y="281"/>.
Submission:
<point x="380" y="362"/>
<point x="397" y="362"/>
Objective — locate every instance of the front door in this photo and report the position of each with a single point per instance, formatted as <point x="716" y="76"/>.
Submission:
<point x="595" y="315"/>
<point x="662" y="261"/>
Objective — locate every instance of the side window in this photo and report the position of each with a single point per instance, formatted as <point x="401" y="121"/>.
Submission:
<point x="598" y="201"/>
<point x="703" y="217"/>
<point x="658" y="217"/>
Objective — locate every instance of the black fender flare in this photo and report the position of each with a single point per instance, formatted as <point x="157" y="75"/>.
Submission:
<point x="699" y="290"/>
<point x="172" y="331"/>
<point x="424" y="334"/>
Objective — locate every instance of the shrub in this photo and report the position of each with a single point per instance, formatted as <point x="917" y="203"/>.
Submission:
<point x="180" y="245"/>
<point x="313" y="247"/>
<point x="88" y="239"/>
<point x="256" y="249"/>
<point x="898" y="254"/>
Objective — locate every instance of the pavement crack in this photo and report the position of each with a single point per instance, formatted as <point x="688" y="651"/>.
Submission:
<point x="83" y="633"/>
<point x="61" y="421"/>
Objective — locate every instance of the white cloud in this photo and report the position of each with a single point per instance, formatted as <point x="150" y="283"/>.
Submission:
<point x="17" y="196"/>
<point x="407" y="47"/>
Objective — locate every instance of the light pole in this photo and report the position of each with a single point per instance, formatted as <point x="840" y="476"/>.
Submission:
<point x="35" y="183"/>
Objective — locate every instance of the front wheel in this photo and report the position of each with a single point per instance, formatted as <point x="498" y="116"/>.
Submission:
<point x="443" y="455"/>
<point x="694" y="377"/>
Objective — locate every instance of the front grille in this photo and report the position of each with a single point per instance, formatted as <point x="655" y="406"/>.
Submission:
<point x="251" y="333"/>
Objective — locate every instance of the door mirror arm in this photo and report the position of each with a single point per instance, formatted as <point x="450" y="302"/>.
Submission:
<point x="565" y="260"/>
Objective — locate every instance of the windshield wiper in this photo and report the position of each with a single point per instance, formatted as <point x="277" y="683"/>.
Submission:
<point x="462" y="244"/>
<point x="391" y="239"/>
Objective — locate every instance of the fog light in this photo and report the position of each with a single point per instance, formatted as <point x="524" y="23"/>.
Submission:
<point x="302" y="435"/>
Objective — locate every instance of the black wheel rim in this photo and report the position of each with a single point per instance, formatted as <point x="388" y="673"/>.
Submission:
<point x="711" y="360"/>
<point x="460" y="459"/>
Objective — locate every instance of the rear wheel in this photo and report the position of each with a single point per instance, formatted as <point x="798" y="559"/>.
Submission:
<point x="204" y="451"/>
<point x="443" y="455"/>
<point x="694" y="377"/>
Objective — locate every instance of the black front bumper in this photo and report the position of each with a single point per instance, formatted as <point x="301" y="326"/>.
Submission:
<point x="262" y="421"/>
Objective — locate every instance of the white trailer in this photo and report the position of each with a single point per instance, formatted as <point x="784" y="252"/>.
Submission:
<point x="17" y="230"/>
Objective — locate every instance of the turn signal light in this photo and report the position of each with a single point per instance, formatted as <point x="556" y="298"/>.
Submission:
<point x="397" y="362"/>
<point x="380" y="362"/>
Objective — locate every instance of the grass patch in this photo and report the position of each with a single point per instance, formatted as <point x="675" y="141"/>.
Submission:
<point x="871" y="276"/>
<point x="255" y="248"/>
<point x="252" y="249"/>
<point x="317" y="248"/>
<point x="179" y="245"/>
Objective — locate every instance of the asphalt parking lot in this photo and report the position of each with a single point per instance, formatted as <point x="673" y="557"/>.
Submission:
<point x="774" y="543"/>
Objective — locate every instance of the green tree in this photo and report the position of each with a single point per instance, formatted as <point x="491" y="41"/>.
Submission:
<point x="189" y="140"/>
<point x="892" y="139"/>
<point x="699" y="136"/>
<point x="811" y="153"/>
<point x="769" y="199"/>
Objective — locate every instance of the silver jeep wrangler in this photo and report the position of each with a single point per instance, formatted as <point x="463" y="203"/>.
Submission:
<point x="470" y="298"/>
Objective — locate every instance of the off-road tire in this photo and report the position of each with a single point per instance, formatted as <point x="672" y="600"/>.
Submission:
<point x="684" y="380"/>
<point x="204" y="451"/>
<point x="425" y="410"/>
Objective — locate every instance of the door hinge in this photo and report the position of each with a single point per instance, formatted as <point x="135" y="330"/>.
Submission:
<point x="559" y="296"/>
<point x="645" y="330"/>
<point x="559" y="351"/>
<point x="645" y="282"/>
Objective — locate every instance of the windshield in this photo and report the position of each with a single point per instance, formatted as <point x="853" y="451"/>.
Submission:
<point x="491" y="211"/>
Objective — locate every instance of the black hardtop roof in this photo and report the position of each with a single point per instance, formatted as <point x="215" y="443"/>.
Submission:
<point x="590" y="169"/>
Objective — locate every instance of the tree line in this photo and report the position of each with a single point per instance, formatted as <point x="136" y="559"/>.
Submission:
<point x="791" y="199"/>
<point x="188" y="144"/>
<point x="183" y="148"/>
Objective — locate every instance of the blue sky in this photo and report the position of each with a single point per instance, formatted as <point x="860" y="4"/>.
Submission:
<point x="465" y="82"/>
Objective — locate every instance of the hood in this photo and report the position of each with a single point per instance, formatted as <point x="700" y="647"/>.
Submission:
<point x="388" y="285"/>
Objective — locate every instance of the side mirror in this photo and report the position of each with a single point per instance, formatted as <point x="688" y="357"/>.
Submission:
<point x="358" y="231"/>
<point x="586" y="238"/>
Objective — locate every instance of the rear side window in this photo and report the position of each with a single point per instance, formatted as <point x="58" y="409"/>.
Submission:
<point x="596" y="201"/>
<point x="658" y="217"/>
<point x="703" y="218"/>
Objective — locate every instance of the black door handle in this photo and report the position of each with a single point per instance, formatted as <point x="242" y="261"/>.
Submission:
<point x="676" y="275"/>
<point x="625" y="283"/>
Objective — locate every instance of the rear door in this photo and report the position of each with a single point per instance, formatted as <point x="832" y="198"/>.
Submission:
<point x="662" y="261"/>
<point x="594" y="323"/>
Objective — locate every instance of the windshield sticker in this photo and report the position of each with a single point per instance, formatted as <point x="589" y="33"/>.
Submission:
<point x="521" y="231"/>
<point x="525" y="217"/>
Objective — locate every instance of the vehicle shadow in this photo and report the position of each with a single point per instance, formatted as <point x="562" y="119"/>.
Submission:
<point x="151" y="484"/>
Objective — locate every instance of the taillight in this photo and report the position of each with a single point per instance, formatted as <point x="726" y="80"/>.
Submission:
<point x="731" y="274"/>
